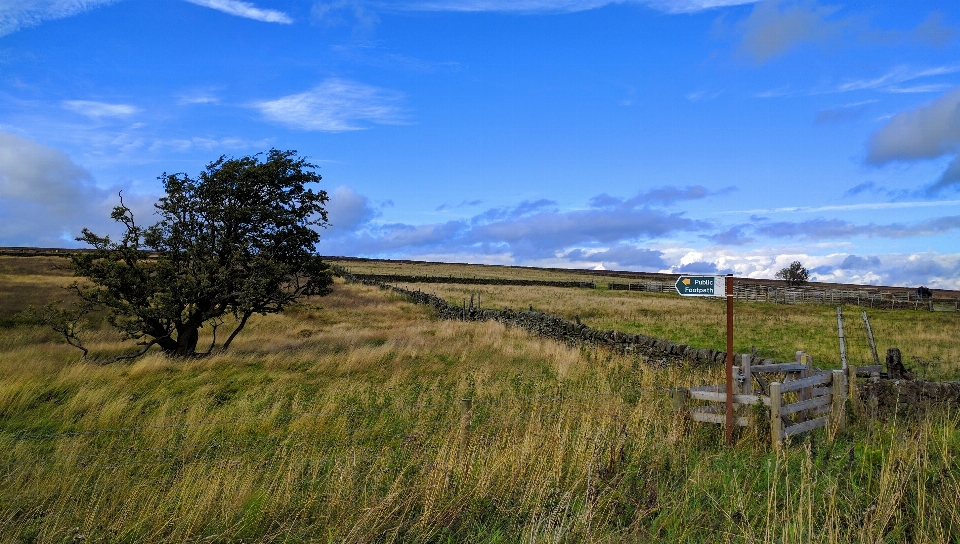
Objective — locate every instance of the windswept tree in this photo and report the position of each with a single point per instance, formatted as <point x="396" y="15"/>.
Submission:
<point x="795" y="274"/>
<point x="237" y="240"/>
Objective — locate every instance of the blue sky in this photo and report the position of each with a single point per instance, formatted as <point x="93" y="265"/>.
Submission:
<point x="656" y="135"/>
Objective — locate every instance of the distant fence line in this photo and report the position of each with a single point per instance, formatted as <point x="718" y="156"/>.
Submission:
<point x="871" y="298"/>
<point x="886" y="395"/>
<point x="402" y="278"/>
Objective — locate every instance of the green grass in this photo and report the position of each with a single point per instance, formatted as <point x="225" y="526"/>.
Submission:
<point x="345" y="424"/>
<point x="927" y="340"/>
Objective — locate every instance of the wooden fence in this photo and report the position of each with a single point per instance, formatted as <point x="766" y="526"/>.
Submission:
<point x="804" y="398"/>
<point x="873" y="298"/>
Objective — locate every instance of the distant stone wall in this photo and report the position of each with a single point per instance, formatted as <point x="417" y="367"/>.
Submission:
<point x="400" y="278"/>
<point x="657" y="351"/>
<point x="882" y="396"/>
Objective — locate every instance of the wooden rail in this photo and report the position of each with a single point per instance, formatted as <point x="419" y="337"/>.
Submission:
<point x="805" y="399"/>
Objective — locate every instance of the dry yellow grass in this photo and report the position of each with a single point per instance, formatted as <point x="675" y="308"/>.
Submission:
<point x="345" y="424"/>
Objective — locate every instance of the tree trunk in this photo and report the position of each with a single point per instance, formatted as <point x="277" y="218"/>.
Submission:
<point x="187" y="337"/>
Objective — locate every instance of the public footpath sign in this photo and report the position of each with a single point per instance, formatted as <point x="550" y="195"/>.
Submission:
<point x="701" y="286"/>
<point x="716" y="286"/>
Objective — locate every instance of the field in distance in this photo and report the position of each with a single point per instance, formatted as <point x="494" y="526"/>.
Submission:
<point x="927" y="340"/>
<point x="343" y="420"/>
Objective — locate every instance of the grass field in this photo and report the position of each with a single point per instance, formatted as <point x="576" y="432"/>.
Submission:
<point x="928" y="340"/>
<point x="342" y="421"/>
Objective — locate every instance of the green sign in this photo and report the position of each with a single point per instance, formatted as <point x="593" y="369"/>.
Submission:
<point x="701" y="286"/>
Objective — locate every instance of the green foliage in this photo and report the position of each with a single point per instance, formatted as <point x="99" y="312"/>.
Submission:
<point x="795" y="274"/>
<point x="236" y="240"/>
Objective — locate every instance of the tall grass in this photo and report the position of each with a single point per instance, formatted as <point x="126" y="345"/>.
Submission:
<point x="345" y="424"/>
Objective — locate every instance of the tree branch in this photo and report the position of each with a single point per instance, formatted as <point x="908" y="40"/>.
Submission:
<point x="243" y="321"/>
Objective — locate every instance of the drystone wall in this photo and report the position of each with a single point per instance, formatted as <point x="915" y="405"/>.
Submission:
<point x="400" y="278"/>
<point x="882" y="396"/>
<point x="886" y="397"/>
<point x="657" y="351"/>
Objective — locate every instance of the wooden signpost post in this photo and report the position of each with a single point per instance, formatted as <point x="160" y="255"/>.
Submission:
<point x="716" y="286"/>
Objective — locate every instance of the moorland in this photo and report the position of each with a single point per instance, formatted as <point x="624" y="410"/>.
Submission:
<point x="344" y="419"/>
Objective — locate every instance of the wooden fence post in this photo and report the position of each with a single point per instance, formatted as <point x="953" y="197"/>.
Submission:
<point x="838" y="412"/>
<point x="843" y="344"/>
<point x="852" y="386"/>
<point x="873" y="345"/>
<point x="679" y="398"/>
<point x="747" y="374"/>
<point x="776" y="424"/>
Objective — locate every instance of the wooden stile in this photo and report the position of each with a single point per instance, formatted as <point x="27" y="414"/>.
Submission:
<point x="805" y="426"/>
<point x="802" y="405"/>
<point x="796" y="385"/>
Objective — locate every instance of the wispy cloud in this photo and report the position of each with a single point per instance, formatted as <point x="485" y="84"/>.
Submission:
<point x="372" y="55"/>
<point x="669" y="6"/>
<point x="99" y="110"/>
<point x="822" y="229"/>
<point x="336" y="105"/>
<point x="197" y="99"/>
<point x="246" y="10"/>
<point x="18" y="14"/>
<point x="894" y="80"/>
<point x="845" y="112"/>
<point x="932" y="31"/>
<point x="849" y="207"/>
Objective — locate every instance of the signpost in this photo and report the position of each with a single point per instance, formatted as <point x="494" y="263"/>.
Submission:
<point x="716" y="286"/>
<point x="701" y="286"/>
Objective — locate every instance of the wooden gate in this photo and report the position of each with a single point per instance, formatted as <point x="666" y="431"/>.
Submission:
<point x="801" y="399"/>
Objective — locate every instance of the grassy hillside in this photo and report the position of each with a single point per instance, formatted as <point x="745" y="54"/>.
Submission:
<point x="342" y="421"/>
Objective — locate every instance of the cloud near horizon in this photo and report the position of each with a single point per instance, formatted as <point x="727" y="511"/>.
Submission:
<point x="48" y="198"/>
<point x="536" y="230"/>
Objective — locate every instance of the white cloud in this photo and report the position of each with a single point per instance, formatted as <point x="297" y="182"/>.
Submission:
<point x="936" y="270"/>
<point x="46" y="199"/>
<point x="246" y="10"/>
<point x="625" y="234"/>
<point x="775" y="27"/>
<point x="98" y="110"/>
<point x="335" y="105"/>
<point x="18" y="14"/>
<point x="348" y="210"/>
